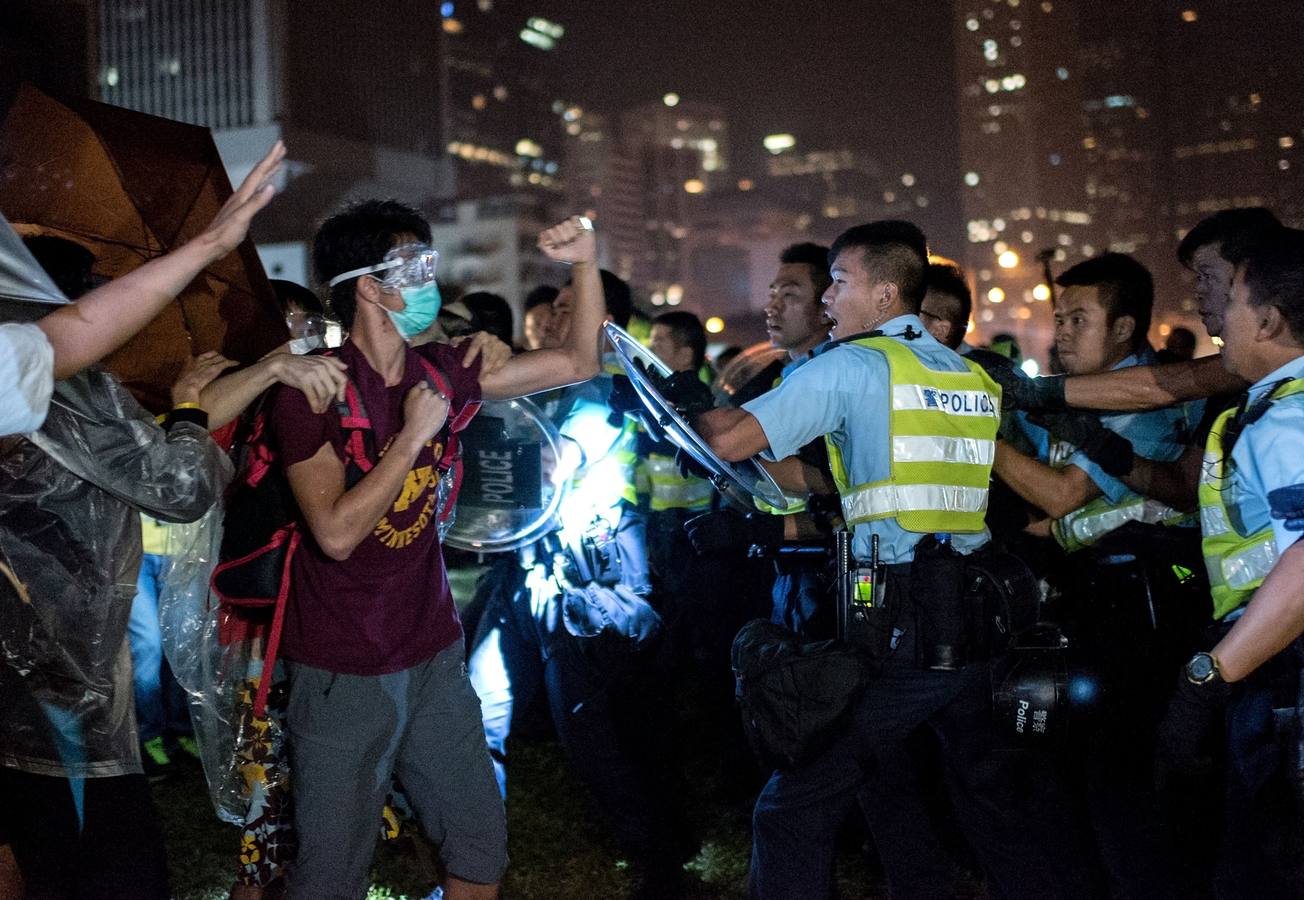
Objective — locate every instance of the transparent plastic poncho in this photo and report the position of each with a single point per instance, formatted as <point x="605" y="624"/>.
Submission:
<point x="70" y="497"/>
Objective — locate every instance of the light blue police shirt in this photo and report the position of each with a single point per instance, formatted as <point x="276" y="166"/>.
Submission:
<point x="843" y="392"/>
<point x="1161" y="434"/>
<point x="1268" y="455"/>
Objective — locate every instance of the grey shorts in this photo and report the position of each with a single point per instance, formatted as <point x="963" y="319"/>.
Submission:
<point x="350" y="734"/>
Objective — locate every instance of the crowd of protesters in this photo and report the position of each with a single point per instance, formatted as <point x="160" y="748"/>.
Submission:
<point x="1146" y="505"/>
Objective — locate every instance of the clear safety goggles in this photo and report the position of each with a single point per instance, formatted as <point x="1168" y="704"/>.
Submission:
<point x="409" y="265"/>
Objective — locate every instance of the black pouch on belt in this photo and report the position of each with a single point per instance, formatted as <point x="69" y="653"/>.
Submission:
<point x="937" y="579"/>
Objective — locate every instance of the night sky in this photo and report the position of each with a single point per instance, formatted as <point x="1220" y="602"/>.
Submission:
<point x="874" y="75"/>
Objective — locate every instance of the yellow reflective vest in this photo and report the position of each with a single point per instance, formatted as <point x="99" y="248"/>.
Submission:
<point x="1237" y="563"/>
<point x="943" y="435"/>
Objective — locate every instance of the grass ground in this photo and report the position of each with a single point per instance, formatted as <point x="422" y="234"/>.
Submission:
<point x="558" y="844"/>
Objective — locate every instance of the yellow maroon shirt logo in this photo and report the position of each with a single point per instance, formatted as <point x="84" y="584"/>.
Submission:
<point x="414" y="509"/>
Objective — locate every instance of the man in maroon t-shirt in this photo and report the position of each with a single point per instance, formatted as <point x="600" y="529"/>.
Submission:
<point x="372" y="640"/>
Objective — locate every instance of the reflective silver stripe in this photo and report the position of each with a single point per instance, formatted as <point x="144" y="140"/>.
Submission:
<point x="1213" y="521"/>
<point x="934" y="399"/>
<point x="975" y="451"/>
<point x="1090" y="528"/>
<point x="1240" y="570"/>
<point x="887" y="499"/>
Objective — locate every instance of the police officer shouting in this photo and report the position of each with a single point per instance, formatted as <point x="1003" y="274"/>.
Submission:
<point x="911" y="431"/>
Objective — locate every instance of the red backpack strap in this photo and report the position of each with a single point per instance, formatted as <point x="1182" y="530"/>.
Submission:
<point x="274" y="636"/>
<point x="355" y="421"/>
<point x="439" y="381"/>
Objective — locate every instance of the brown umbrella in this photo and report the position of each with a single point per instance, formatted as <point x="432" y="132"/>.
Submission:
<point x="130" y="187"/>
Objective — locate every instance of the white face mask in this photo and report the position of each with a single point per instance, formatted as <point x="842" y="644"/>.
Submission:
<point x="300" y="346"/>
<point x="307" y="332"/>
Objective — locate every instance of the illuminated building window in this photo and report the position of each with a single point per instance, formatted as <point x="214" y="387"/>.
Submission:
<point x="1189" y="15"/>
<point x="1285" y="142"/>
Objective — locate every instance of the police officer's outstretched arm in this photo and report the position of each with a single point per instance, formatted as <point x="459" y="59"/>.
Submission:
<point x="732" y="434"/>
<point x="573" y="242"/>
<point x="1133" y="388"/>
<point x="1057" y="492"/>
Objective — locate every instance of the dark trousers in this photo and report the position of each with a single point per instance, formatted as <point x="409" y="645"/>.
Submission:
<point x="1260" y="809"/>
<point x="606" y="703"/>
<point x="113" y="850"/>
<point x="799" y="811"/>
<point x="1115" y="602"/>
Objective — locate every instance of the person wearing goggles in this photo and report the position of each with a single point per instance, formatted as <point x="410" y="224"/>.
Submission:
<point x="369" y="609"/>
<point x="409" y="271"/>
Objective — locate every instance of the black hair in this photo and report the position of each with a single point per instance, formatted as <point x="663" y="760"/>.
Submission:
<point x="1234" y="229"/>
<point x="1126" y="289"/>
<point x="491" y="313"/>
<point x="946" y="278"/>
<point x="893" y="250"/>
<point x="357" y="236"/>
<point x="289" y="293"/>
<point x="617" y="296"/>
<point x="67" y="263"/>
<point x="1180" y="337"/>
<point x="1274" y="276"/>
<point x="543" y="295"/>
<point x="814" y="255"/>
<point x="688" y="331"/>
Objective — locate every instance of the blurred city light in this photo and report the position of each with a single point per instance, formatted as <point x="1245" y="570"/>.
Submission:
<point x="1008" y="260"/>
<point x="694" y="186"/>
<point x="996" y="295"/>
<point x="777" y="143"/>
<point x="671" y="99"/>
<point x="1041" y="292"/>
<point x="1030" y="368"/>
<point x="715" y="325"/>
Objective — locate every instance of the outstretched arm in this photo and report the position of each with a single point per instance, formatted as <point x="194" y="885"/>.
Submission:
<point x="104" y="319"/>
<point x="1149" y="387"/>
<point x="1057" y="492"/>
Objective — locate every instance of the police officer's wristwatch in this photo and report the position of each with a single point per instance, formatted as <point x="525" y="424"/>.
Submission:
<point x="1202" y="669"/>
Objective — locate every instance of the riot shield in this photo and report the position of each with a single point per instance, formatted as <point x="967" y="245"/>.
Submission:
<point x="744" y="481"/>
<point x="511" y="488"/>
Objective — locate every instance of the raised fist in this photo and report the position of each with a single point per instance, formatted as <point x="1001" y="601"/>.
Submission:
<point x="571" y="241"/>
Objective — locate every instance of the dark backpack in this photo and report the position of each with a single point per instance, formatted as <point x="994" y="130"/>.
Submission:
<point x="795" y="697"/>
<point x="261" y="529"/>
